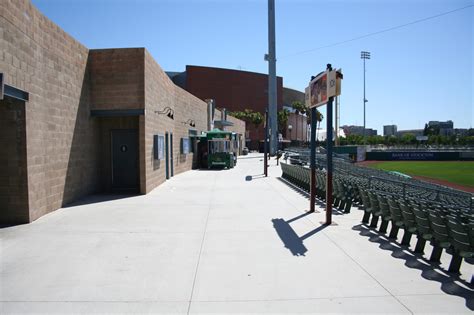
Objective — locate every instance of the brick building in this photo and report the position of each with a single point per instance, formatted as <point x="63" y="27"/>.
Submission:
<point x="75" y="121"/>
<point x="237" y="90"/>
<point x="297" y="126"/>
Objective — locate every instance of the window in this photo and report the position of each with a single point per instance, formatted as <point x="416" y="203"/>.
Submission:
<point x="220" y="145"/>
<point x="192" y="139"/>
<point x="184" y="145"/>
<point x="158" y="147"/>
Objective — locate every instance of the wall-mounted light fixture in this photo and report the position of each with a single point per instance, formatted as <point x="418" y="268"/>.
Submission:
<point x="168" y="111"/>
<point x="190" y="122"/>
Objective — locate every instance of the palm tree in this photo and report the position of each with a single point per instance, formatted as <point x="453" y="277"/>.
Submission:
<point x="282" y="120"/>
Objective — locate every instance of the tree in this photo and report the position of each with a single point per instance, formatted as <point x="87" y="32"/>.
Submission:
<point x="256" y="118"/>
<point x="390" y="140"/>
<point x="299" y="107"/>
<point x="249" y="116"/>
<point x="408" y="138"/>
<point x="282" y="120"/>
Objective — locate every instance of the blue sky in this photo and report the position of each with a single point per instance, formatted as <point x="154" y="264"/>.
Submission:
<point x="417" y="73"/>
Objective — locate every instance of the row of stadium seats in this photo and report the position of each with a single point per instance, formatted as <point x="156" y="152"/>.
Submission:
<point x="445" y="222"/>
<point x="445" y="229"/>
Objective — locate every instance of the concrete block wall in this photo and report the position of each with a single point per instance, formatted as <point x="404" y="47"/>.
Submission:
<point x="65" y="149"/>
<point x="117" y="78"/>
<point x="161" y="92"/>
<point x="117" y="82"/>
<point x="40" y="58"/>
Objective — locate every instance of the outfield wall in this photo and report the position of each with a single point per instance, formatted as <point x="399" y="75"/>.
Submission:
<point x="419" y="156"/>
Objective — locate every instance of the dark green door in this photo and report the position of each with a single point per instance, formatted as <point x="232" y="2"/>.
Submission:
<point x="167" y="154"/>
<point x="125" y="160"/>
<point x="171" y="155"/>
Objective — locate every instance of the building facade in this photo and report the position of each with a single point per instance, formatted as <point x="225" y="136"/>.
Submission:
<point x="88" y="119"/>
<point x="390" y="130"/>
<point x="297" y="128"/>
<point x="358" y="130"/>
<point x="415" y="132"/>
<point x="237" y="90"/>
<point x="446" y="128"/>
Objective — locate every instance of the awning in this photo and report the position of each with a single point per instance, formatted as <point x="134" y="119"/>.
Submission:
<point x="116" y="112"/>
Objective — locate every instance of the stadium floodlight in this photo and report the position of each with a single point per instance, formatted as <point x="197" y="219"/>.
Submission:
<point x="364" y="55"/>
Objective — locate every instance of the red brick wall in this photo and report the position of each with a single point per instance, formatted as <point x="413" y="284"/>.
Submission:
<point x="234" y="90"/>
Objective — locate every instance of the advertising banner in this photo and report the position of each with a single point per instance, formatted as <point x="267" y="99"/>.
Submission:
<point x="322" y="88"/>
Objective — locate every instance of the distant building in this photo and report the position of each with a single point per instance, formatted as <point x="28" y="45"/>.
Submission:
<point x="446" y="128"/>
<point x="390" y="130"/>
<point x="353" y="130"/>
<point x="358" y="130"/>
<point x="238" y="90"/>
<point x="297" y="125"/>
<point x="416" y="132"/>
<point x="461" y="132"/>
<point x="370" y="132"/>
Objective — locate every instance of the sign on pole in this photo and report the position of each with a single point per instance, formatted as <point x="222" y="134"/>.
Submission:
<point x="325" y="85"/>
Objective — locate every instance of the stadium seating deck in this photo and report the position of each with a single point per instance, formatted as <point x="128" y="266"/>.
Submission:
<point x="440" y="215"/>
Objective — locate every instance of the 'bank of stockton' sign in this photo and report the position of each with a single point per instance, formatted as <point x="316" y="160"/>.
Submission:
<point x="412" y="155"/>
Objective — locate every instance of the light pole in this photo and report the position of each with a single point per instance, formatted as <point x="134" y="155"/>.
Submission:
<point x="272" y="80"/>
<point x="364" y="55"/>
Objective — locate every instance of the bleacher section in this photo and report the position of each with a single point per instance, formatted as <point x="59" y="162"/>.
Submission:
<point x="437" y="214"/>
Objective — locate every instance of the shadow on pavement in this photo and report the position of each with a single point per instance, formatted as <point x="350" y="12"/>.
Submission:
<point x="250" y="157"/>
<point x="429" y="270"/>
<point x="288" y="236"/>
<point x="305" y="194"/>
<point x="97" y="198"/>
<point x="250" y="177"/>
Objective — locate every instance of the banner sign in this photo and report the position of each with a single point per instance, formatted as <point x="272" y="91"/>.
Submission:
<point x="321" y="88"/>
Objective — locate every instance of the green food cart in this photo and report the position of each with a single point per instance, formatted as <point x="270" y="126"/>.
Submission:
<point x="218" y="149"/>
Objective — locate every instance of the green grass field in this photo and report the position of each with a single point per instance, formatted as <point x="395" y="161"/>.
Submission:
<point x="461" y="173"/>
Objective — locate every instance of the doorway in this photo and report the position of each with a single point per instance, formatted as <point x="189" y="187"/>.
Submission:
<point x="125" y="160"/>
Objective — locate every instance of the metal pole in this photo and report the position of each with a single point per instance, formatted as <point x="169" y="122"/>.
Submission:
<point x="265" y="146"/>
<point x="312" y="199"/>
<point x="329" y="162"/>
<point x="364" y="55"/>
<point x="364" y="103"/>
<point x="336" y="142"/>
<point x="272" y="81"/>
<point x="329" y="157"/>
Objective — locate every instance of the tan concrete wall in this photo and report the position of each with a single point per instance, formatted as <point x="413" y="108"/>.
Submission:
<point x="117" y="78"/>
<point x="161" y="92"/>
<point x="37" y="56"/>
<point x="66" y="149"/>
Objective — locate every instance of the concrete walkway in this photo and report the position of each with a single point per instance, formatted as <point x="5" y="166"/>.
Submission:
<point x="216" y="242"/>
